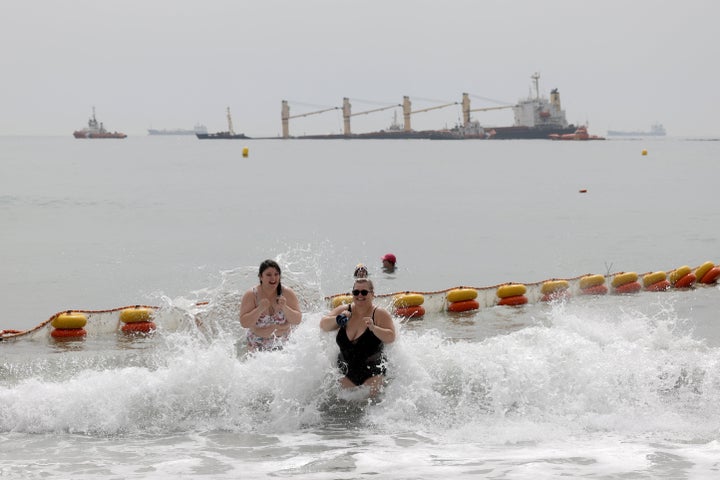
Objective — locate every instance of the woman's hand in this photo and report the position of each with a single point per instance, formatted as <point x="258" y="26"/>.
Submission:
<point x="264" y="305"/>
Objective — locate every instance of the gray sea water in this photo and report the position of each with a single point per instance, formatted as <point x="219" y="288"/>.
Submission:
<point x="595" y="387"/>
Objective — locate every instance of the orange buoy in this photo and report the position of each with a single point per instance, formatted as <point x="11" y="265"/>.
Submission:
<point x="414" y="311"/>
<point x="653" y="278"/>
<point x="139" y="327"/>
<point x="553" y="290"/>
<point x="679" y="273"/>
<point x="711" y="276"/>
<point x="630" y="287"/>
<point x="702" y="270"/>
<point x="513" y="300"/>
<point x="685" y="281"/>
<point x="463" y="306"/>
<point x="594" y="290"/>
<point x="556" y="296"/>
<point x="660" y="286"/>
<point x="64" y="333"/>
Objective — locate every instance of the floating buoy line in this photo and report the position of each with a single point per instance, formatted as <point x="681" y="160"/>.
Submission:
<point x="140" y="320"/>
<point x="414" y="305"/>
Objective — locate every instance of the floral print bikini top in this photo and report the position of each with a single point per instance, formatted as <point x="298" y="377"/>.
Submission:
<point x="267" y="343"/>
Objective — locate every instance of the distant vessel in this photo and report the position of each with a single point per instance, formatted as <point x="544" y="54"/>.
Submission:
<point x="96" y="129"/>
<point x="535" y="117"/>
<point x="229" y="135"/>
<point x="656" y="130"/>
<point x="580" y="134"/>
<point x="179" y="131"/>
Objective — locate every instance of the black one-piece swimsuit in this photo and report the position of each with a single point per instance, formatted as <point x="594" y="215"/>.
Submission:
<point x="362" y="358"/>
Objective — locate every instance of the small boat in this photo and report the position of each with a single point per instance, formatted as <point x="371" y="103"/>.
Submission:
<point x="580" y="133"/>
<point x="229" y="135"/>
<point x="96" y="129"/>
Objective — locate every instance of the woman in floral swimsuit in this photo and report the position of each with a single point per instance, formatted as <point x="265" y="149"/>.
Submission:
<point x="269" y="310"/>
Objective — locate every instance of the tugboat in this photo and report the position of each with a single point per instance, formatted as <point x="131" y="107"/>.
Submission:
<point x="229" y="135"/>
<point x="580" y="134"/>
<point x="96" y="129"/>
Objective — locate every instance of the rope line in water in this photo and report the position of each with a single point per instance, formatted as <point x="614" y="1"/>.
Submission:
<point x="409" y="303"/>
<point x="495" y="287"/>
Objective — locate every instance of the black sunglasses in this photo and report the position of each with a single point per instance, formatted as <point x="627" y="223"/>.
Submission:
<point x="360" y="292"/>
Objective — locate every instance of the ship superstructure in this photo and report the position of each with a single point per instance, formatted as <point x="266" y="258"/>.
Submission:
<point x="96" y="129"/>
<point x="537" y="111"/>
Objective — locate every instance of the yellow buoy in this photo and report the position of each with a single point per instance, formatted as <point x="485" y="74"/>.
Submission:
<point x="408" y="300"/>
<point x="135" y="315"/>
<point x="552" y="286"/>
<point x="341" y="300"/>
<point x="591" y="280"/>
<point x="511" y="290"/>
<point x="461" y="294"/>
<point x="246" y="151"/>
<point x="653" y="278"/>
<point x="644" y="152"/>
<point x="69" y="320"/>
<point x="623" y="278"/>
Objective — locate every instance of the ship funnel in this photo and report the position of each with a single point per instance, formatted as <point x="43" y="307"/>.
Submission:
<point x="555" y="98"/>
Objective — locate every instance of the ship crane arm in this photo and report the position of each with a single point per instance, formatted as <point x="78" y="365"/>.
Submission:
<point x="485" y="109"/>
<point x="314" y="113"/>
<point x="434" y="108"/>
<point x="375" y="110"/>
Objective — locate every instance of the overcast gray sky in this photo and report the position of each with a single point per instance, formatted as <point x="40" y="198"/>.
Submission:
<point x="620" y="64"/>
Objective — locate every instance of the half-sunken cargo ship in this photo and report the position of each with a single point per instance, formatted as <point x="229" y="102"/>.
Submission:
<point x="96" y="129"/>
<point x="536" y="117"/>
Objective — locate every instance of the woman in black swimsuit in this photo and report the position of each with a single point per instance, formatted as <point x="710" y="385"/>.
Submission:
<point x="363" y="329"/>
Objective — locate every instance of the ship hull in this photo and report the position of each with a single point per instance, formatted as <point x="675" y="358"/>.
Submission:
<point x="221" y="136"/>
<point x="527" y="133"/>
<point x="81" y="134"/>
<point x="387" y="135"/>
